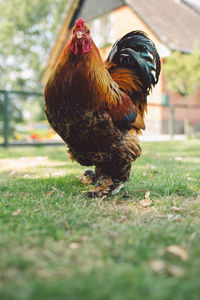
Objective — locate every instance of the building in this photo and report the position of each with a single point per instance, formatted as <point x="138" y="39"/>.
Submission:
<point x="171" y="24"/>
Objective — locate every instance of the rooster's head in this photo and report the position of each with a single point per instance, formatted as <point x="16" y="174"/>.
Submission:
<point x="80" y="41"/>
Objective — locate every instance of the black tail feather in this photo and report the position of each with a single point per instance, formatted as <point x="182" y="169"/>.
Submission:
<point x="137" y="52"/>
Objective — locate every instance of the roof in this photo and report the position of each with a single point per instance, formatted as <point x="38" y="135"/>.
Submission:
<point x="175" y="23"/>
<point x="90" y="9"/>
<point x="86" y="9"/>
<point x="194" y="4"/>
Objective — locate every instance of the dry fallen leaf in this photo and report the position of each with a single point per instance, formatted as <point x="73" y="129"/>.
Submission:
<point x="50" y="192"/>
<point x="147" y="195"/>
<point x="176" y="209"/>
<point x="12" y="173"/>
<point x="123" y="219"/>
<point x="178" y="158"/>
<point x="26" y="176"/>
<point x="147" y="202"/>
<point x="173" y="217"/>
<point x="67" y="225"/>
<point x="155" y="172"/>
<point x="104" y="197"/>
<point x="100" y="201"/>
<point x="59" y="173"/>
<point x="17" y="212"/>
<point x="152" y="167"/>
<point x="74" y="245"/>
<point x="113" y="234"/>
<point x="191" y="179"/>
<point x="6" y="194"/>
<point x="158" y="265"/>
<point x="175" y="271"/>
<point x="179" y="251"/>
<point x="54" y="188"/>
<point x="114" y="201"/>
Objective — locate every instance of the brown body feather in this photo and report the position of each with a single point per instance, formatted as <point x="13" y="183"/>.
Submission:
<point x="88" y="104"/>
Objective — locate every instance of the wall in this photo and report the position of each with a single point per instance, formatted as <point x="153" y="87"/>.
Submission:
<point x="124" y="20"/>
<point x="192" y="113"/>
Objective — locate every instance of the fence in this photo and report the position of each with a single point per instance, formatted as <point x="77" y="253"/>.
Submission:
<point x="177" y="118"/>
<point x="13" y="132"/>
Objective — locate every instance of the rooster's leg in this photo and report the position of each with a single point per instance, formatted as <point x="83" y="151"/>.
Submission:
<point x="104" y="186"/>
<point x="118" y="170"/>
<point x="110" y="178"/>
<point x="88" y="177"/>
<point x="112" y="172"/>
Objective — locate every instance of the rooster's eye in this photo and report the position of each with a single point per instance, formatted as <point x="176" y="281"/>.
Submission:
<point x="73" y="30"/>
<point x="87" y="31"/>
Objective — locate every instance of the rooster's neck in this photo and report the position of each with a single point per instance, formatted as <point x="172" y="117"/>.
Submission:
<point x="84" y="79"/>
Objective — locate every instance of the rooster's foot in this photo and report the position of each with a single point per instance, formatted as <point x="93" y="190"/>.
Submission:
<point x="105" y="186"/>
<point x="88" y="177"/>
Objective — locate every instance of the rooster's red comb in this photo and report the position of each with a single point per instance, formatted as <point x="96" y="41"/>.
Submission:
<point x="79" y="24"/>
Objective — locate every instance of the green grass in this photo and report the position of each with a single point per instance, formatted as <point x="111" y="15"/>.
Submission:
<point x="56" y="244"/>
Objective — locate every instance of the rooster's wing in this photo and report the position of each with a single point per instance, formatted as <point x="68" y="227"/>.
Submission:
<point x="134" y="65"/>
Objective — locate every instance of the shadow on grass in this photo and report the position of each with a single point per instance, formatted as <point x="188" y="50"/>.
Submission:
<point x="160" y="185"/>
<point x="157" y="170"/>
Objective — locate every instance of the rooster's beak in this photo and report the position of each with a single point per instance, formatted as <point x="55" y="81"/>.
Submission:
<point x="79" y="34"/>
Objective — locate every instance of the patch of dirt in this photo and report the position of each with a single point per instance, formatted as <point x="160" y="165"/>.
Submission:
<point x="20" y="164"/>
<point x="24" y="165"/>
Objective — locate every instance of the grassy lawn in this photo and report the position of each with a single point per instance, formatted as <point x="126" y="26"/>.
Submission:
<point x="56" y="244"/>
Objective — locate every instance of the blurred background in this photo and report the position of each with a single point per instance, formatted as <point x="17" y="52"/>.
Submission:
<point x="33" y="34"/>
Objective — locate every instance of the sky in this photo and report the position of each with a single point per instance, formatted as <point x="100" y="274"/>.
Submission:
<point x="195" y="2"/>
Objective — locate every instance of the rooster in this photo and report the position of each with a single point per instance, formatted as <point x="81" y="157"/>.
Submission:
<point x="98" y="107"/>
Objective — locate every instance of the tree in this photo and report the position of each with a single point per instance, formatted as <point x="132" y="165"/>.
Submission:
<point x="183" y="76"/>
<point x="183" y="72"/>
<point x="28" y="29"/>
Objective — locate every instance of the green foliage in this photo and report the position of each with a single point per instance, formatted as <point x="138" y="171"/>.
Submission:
<point x="56" y="244"/>
<point x="28" y="29"/>
<point x="183" y="72"/>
